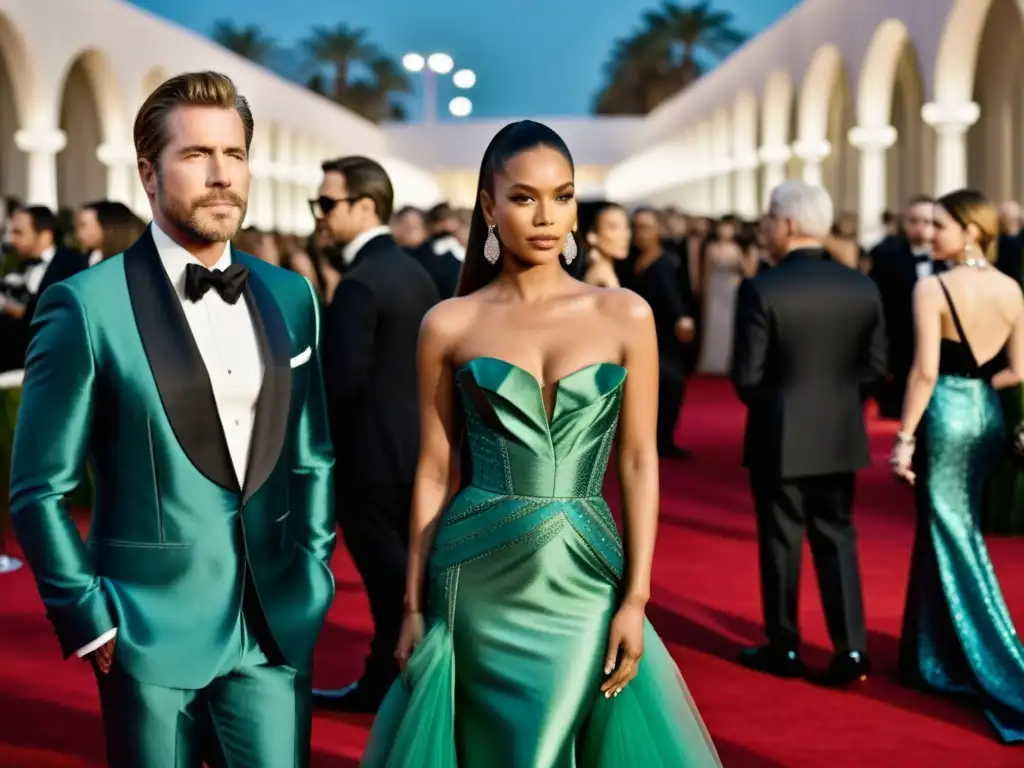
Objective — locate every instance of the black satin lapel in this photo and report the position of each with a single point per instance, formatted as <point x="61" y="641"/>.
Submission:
<point x="178" y="368"/>
<point x="270" y="422"/>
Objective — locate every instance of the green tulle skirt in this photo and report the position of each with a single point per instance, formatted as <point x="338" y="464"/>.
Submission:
<point x="509" y="672"/>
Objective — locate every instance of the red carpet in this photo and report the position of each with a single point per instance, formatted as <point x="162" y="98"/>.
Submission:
<point x="705" y="605"/>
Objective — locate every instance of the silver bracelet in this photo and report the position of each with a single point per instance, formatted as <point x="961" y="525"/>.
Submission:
<point x="904" y="439"/>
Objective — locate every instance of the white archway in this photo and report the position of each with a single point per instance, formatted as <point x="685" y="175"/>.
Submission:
<point x="994" y="144"/>
<point x="777" y="132"/>
<point x="721" y="158"/>
<point x="957" y="56"/>
<point x="18" y="91"/>
<point x="91" y="115"/>
<point x="825" y="117"/>
<point x="744" y="155"/>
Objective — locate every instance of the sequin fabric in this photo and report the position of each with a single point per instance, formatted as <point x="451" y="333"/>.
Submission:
<point x="958" y="635"/>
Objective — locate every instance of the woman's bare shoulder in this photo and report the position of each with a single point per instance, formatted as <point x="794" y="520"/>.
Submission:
<point x="623" y="306"/>
<point x="448" y="320"/>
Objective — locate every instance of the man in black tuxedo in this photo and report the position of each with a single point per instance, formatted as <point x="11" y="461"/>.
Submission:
<point x="370" y="334"/>
<point x="897" y="263"/>
<point x="441" y="254"/>
<point x="1011" y="248"/>
<point x="34" y="239"/>
<point x="810" y="342"/>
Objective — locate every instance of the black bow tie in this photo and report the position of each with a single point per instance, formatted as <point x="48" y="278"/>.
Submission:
<point x="228" y="283"/>
<point x="29" y="263"/>
<point x="922" y="258"/>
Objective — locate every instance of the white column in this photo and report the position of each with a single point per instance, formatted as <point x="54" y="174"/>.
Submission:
<point x="302" y="217"/>
<point x="42" y="147"/>
<point x="119" y="160"/>
<point x="721" y="188"/>
<point x="774" y="158"/>
<point x="872" y="142"/>
<point x="950" y="123"/>
<point x="745" y="203"/>
<point x="812" y="154"/>
<point x="284" y="177"/>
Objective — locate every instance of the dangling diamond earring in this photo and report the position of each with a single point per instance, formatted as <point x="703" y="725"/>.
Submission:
<point x="492" y="248"/>
<point x="569" y="252"/>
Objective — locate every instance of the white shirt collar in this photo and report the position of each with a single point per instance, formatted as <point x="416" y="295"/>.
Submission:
<point x="351" y="250"/>
<point x="47" y="256"/>
<point x="175" y="258"/>
<point x="449" y="244"/>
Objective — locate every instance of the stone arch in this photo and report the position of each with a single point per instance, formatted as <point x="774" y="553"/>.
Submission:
<point x="721" y="155"/>
<point x="816" y="92"/>
<point x="154" y="77"/>
<point x="957" y="54"/>
<point x="744" y="142"/>
<point x="91" y="115"/>
<point x="777" y="132"/>
<point x="994" y="144"/>
<point x="19" y="92"/>
<point x="878" y="74"/>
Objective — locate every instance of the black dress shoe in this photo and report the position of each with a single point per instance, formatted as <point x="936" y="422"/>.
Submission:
<point x="846" y="670"/>
<point x="781" y="662"/>
<point x="351" y="698"/>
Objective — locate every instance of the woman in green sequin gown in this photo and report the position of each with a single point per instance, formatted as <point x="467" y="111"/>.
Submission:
<point x="958" y="636"/>
<point x="533" y="650"/>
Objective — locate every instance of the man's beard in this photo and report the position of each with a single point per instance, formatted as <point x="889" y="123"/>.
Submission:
<point x="185" y="216"/>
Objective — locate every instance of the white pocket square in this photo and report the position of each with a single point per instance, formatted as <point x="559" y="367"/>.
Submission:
<point x="301" y="358"/>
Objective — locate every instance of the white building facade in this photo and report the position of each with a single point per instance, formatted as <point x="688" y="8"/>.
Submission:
<point x="74" y="72"/>
<point x="878" y="100"/>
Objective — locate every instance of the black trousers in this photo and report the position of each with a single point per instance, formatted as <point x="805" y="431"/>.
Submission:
<point x="671" y="389"/>
<point x="375" y="525"/>
<point x="821" y="505"/>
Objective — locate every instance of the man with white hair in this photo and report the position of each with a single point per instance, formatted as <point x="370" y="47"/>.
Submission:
<point x="810" y="341"/>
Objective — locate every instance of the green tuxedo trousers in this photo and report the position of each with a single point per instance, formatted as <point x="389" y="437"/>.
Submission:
<point x="255" y="714"/>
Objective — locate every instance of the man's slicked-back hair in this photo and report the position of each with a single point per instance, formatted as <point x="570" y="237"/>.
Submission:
<point x="191" y="89"/>
<point x="365" y="178"/>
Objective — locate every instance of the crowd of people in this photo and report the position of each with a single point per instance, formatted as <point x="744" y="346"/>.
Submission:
<point x="447" y="388"/>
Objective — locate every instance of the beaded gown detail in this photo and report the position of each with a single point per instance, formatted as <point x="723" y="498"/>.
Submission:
<point x="523" y="583"/>
<point x="958" y="636"/>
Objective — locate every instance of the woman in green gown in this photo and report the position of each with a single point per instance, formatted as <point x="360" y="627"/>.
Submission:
<point x="525" y="643"/>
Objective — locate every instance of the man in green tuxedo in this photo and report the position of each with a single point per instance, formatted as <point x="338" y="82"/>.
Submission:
<point x="188" y="375"/>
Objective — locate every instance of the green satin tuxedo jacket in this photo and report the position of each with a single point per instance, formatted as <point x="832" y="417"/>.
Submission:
<point x="114" y="376"/>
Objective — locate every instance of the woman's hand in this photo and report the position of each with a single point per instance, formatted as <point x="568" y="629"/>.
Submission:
<point x="625" y="646"/>
<point x="902" y="458"/>
<point x="410" y="637"/>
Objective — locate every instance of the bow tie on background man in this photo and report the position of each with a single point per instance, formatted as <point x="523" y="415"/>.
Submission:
<point x="229" y="283"/>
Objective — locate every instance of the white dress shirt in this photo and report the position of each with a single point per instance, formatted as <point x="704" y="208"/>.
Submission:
<point x="95" y="257"/>
<point x="924" y="268"/>
<point x="449" y="244"/>
<point x="26" y="284"/>
<point x="226" y="338"/>
<point x="349" y="253"/>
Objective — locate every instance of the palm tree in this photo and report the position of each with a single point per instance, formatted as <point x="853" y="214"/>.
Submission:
<point x="693" y="30"/>
<point x="249" y="42"/>
<point x="339" y="48"/>
<point x="662" y="58"/>
<point x="388" y="79"/>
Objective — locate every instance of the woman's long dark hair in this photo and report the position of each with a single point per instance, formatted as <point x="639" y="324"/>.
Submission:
<point x="510" y="141"/>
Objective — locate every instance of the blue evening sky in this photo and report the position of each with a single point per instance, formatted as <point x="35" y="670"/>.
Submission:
<point x="532" y="57"/>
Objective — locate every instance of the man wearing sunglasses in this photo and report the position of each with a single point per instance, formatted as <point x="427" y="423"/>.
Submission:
<point x="370" y="331"/>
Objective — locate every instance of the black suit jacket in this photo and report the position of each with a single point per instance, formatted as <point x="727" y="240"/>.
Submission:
<point x="1009" y="257"/>
<point x="895" y="273"/>
<point x="16" y="334"/>
<point x="444" y="269"/>
<point x="810" y="341"/>
<point x="369" y="341"/>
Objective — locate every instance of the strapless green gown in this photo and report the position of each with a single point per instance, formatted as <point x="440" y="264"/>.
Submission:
<point x="524" y="580"/>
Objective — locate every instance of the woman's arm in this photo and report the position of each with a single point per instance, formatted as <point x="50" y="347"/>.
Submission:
<point x="928" y="304"/>
<point x="638" y="452"/>
<point x="438" y="461"/>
